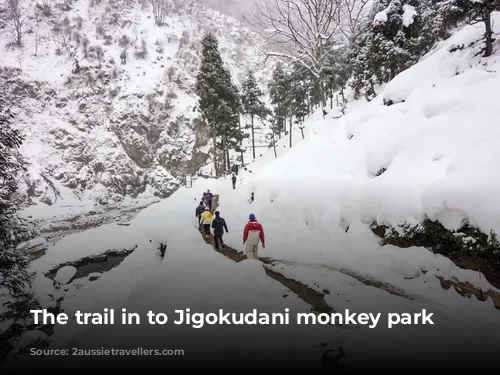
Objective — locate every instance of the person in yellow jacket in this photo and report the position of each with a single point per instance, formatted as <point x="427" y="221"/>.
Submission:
<point x="206" y="221"/>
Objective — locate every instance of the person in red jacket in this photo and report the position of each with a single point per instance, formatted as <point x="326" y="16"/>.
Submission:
<point x="252" y="235"/>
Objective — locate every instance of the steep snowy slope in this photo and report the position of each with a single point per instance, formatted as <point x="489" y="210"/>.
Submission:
<point x="434" y="153"/>
<point x="105" y="98"/>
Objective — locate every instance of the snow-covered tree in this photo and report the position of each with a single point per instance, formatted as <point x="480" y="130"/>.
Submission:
<point x="339" y="70"/>
<point x="352" y="16"/>
<point x="16" y="20"/>
<point x="228" y="125"/>
<point x="207" y="84"/>
<point x="401" y="32"/>
<point x="473" y="12"/>
<point x="251" y="98"/>
<point x="281" y="100"/>
<point x="160" y="10"/>
<point x="300" y="84"/>
<point x="219" y="101"/>
<point x="15" y="277"/>
<point x="304" y="30"/>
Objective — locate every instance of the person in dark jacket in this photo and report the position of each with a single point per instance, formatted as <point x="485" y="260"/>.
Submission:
<point x="234" y="181"/>
<point x="199" y="211"/>
<point x="219" y="224"/>
<point x="234" y="169"/>
<point x="210" y="197"/>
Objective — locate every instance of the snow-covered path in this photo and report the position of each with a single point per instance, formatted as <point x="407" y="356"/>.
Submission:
<point x="192" y="275"/>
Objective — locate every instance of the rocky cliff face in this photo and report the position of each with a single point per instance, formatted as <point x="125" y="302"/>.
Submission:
<point x="105" y="96"/>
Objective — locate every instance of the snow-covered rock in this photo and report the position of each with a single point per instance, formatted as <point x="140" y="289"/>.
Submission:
<point x="34" y="248"/>
<point x="65" y="274"/>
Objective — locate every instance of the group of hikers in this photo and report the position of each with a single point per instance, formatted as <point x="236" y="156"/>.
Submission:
<point x="253" y="232"/>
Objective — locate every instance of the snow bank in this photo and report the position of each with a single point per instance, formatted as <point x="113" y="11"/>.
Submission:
<point x="432" y="155"/>
<point x="194" y="276"/>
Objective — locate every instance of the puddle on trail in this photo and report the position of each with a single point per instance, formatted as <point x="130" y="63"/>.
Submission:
<point x="97" y="264"/>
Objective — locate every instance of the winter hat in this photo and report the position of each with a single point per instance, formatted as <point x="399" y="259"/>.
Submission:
<point x="217" y="213"/>
<point x="251" y="217"/>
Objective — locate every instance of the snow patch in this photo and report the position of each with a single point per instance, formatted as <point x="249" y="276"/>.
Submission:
<point x="65" y="274"/>
<point x="409" y="14"/>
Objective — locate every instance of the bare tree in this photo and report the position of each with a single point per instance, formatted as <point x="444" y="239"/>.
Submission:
<point x="124" y="43"/>
<point x="16" y="20"/>
<point x="37" y="32"/>
<point x="67" y="44"/>
<point x="160" y="10"/>
<point x="305" y="31"/>
<point x="352" y="14"/>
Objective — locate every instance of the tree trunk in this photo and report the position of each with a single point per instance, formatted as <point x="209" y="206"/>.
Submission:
<point x="274" y="145"/>
<point x="321" y="94"/>
<point x="372" y="87"/>
<point x="291" y="124"/>
<point x="224" y="161"/>
<point x="241" y="143"/>
<point x="216" y="166"/>
<point x="302" y="131"/>
<point x="488" y="35"/>
<point x="253" y="139"/>
<point x="228" y="160"/>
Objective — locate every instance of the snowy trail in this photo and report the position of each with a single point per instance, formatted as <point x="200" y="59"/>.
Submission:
<point x="192" y="275"/>
<point x="304" y="292"/>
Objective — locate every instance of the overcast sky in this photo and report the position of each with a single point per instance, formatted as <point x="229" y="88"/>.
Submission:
<point x="233" y="8"/>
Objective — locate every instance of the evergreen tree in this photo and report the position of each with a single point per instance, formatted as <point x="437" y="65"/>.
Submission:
<point x="300" y="84"/>
<point x="252" y="103"/>
<point x="472" y="12"/>
<point x="15" y="277"/>
<point x="228" y="127"/>
<point x="339" y="70"/>
<point x="279" y="89"/>
<point x="219" y="102"/>
<point x="389" y="46"/>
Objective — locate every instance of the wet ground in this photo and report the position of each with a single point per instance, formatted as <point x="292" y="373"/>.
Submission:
<point x="94" y="264"/>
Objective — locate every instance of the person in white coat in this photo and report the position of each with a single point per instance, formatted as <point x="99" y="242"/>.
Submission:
<point x="253" y="234"/>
